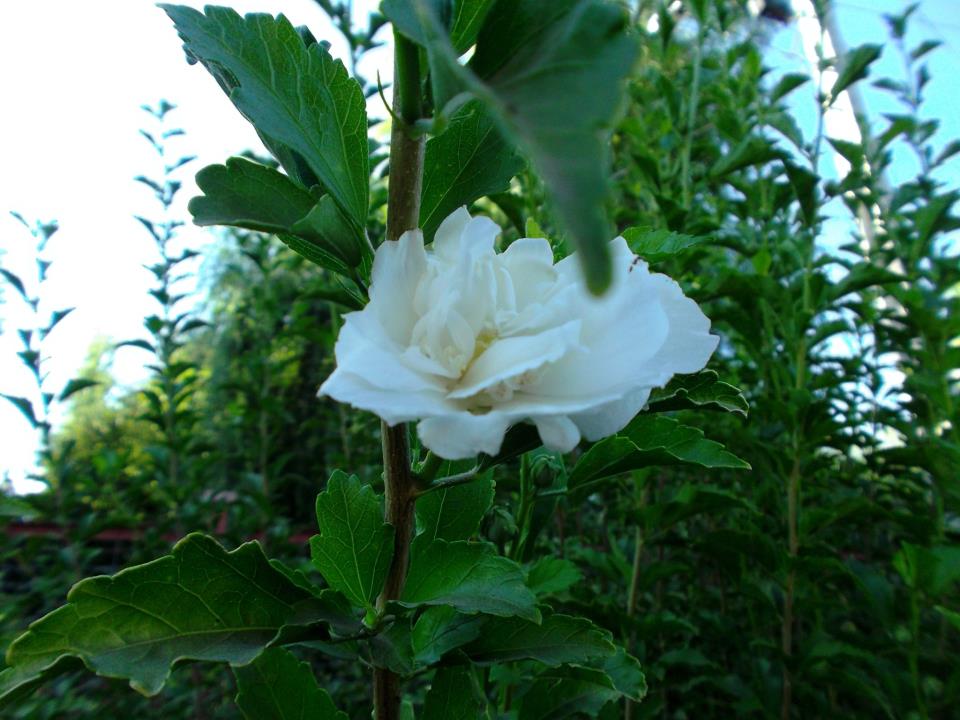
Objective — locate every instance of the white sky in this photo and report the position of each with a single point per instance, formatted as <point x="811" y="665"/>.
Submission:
<point x="75" y="75"/>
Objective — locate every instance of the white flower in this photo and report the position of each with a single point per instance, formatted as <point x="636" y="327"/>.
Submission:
<point x="470" y="342"/>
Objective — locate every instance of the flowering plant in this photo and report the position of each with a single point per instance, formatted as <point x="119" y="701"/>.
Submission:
<point x="470" y="341"/>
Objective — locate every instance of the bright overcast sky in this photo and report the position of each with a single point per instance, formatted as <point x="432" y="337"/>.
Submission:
<point x="75" y="75"/>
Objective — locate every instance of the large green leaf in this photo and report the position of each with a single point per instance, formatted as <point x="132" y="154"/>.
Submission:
<point x="454" y="513"/>
<point x="463" y="21"/>
<point x="199" y="603"/>
<point x="468" y="160"/>
<point x="702" y="390"/>
<point x="551" y="575"/>
<point x="354" y="548"/>
<point x="277" y="686"/>
<point x="557" y="640"/>
<point x="470" y="577"/>
<point x="649" y="440"/>
<point x="453" y="695"/>
<point x="296" y="95"/>
<point x="551" y="75"/>
<point x="440" y="629"/>
<point x="567" y="692"/>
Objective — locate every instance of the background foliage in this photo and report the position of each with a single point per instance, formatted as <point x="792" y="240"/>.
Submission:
<point x="820" y="583"/>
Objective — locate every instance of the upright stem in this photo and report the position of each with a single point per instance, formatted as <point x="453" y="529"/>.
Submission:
<point x="403" y="213"/>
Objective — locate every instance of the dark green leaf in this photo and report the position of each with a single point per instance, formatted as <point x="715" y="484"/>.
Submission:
<point x="200" y="603"/>
<point x="297" y="96"/>
<point x="567" y="692"/>
<point x="440" y="629"/>
<point x="557" y="640"/>
<point x="700" y="390"/>
<point x="277" y="686"/>
<point x="649" y="440"/>
<point x="551" y="76"/>
<point x="468" y="160"/>
<point x="454" y="513"/>
<point x="658" y="245"/>
<point x="25" y="407"/>
<point x="453" y="694"/>
<point x="925" y="47"/>
<point x="354" y="548"/>
<point x="863" y="275"/>
<point x="551" y="575"/>
<point x="142" y="344"/>
<point x="854" y="66"/>
<point x="626" y="674"/>
<point x="16" y="282"/>
<point x="470" y="577"/>
<point x="76" y="385"/>
<point x="787" y="84"/>
<point x="15" y="507"/>
<point x="751" y="151"/>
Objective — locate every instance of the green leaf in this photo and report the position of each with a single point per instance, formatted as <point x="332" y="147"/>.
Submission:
<point x="440" y="629"/>
<point x="854" y="66"/>
<point x="804" y="184"/>
<point x="463" y="24"/>
<point x="470" y="577"/>
<point x="295" y="95"/>
<point x="691" y="500"/>
<point x="863" y="275"/>
<point x="76" y="385"/>
<point x="557" y="640"/>
<point x="326" y="228"/>
<point x="454" y="513"/>
<point x="249" y="195"/>
<point x="649" y="440"/>
<point x="551" y="75"/>
<point x="16" y="282"/>
<point x="354" y="548"/>
<point x="468" y="160"/>
<point x="563" y="693"/>
<point x="551" y="575"/>
<point x="952" y="616"/>
<point x="199" y="603"/>
<point x="932" y="570"/>
<point x="453" y="694"/>
<point x="625" y="672"/>
<point x="15" y="507"/>
<point x="658" y="245"/>
<point x="277" y="686"/>
<point x="700" y="390"/>
<point x="25" y="407"/>
<point x="751" y="151"/>
<point x="787" y="84"/>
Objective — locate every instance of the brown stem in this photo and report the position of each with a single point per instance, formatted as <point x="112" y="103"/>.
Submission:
<point x="403" y="213"/>
<point x="793" y="548"/>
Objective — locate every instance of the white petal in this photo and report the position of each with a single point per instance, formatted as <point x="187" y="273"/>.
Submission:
<point x="398" y="268"/>
<point x="558" y="432"/>
<point x="446" y="241"/>
<point x="463" y="435"/>
<point x="510" y="357"/>
<point x="611" y="417"/>
<point x="529" y="261"/>
<point x="393" y="407"/>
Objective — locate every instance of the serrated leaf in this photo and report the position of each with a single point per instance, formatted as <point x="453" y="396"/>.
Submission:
<point x="700" y="390"/>
<point x="355" y="547"/>
<point x="557" y="640"/>
<point x="25" y="407"/>
<point x="453" y="694"/>
<point x="658" y="245"/>
<point x="626" y="674"/>
<point x="295" y="95"/>
<point x="277" y="686"/>
<point x="76" y="385"/>
<point x="454" y="513"/>
<point x="567" y="692"/>
<point x="551" y="76"/>
<point x="854" y="66"/>
<point x="470" y="577"/>
<point x="440" y="629"/>
<point x="551" y="575"/>
<point x="649" y="440"/>
<point x="199" y="603"/>
<point x="468" y="160"/>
